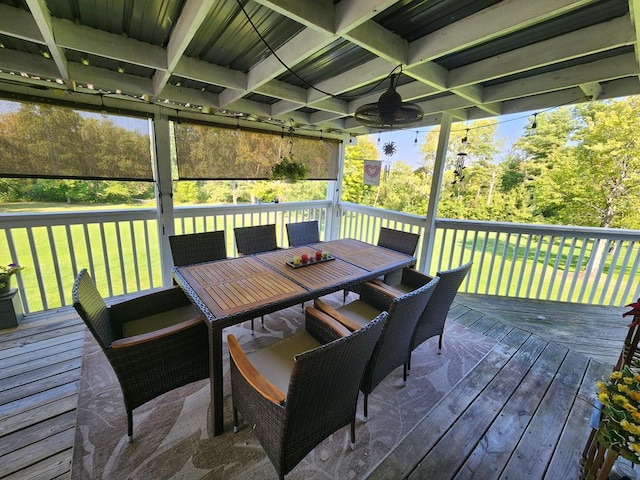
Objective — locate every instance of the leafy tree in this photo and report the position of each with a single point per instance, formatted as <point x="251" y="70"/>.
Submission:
<point x="353" y="188"/>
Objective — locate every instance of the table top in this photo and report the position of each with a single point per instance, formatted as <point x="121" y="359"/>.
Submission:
<point x="236" y="285"/>
<point x="364" y="255"/>
<point x="314" y="276"/>
<point x="237" y="289"/>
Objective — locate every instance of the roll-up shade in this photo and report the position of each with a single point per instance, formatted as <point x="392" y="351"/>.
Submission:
<point x="45" y="141"/>
<point x="206" y="152"/>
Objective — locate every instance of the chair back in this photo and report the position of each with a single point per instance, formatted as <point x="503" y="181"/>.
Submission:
<point x="303" y="233"/>
<point x="432" y="321"/>
<point x="197" y="248"/>
<point x="92" y="309"/>
<point x="323" y="390"/>
<point x="403" y="242"/>
<point x="250" y="240"/>
<point x="394" y="345"/>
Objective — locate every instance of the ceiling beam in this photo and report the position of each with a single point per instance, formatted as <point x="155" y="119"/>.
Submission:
<point x="488" y="24"/>
<point x="193" y="14"/>
<point x="108" y="45"/>
<point x="597" y="38"/>
<point x="611" y="68"/>
<point x="41" y="16"/>
<point x="634" y="11"/>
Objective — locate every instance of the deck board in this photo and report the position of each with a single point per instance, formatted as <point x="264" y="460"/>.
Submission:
<point x="520" y="413"/>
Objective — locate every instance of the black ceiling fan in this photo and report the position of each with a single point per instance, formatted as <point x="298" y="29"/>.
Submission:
<point x="389" y="111"/>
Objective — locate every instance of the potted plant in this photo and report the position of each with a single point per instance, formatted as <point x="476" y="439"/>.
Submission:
<point x="289" y="170"/>
<point x="5" y="276"/>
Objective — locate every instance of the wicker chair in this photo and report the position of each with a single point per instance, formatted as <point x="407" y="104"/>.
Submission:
<point x="394" y="346"/>
<point x="303" y="233"/>
<point x="397" y="240"/>
<point x="197" y="248"/>
<point x="154" y="343"/>
<point x="257" y="239"/>
<point x="433" y="318"/>
<point x="299" y="391"/>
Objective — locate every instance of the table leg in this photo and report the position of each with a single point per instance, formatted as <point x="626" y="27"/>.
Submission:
<point x="216" y="380"/>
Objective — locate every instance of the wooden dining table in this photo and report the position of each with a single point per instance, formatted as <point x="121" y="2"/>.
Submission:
<point x="234" y="290"/>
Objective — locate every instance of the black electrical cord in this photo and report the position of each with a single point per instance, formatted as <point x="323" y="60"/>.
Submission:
<point x="309" y="85"/>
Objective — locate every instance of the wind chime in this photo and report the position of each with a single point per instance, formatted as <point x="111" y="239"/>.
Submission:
<point x="458" y="172"/>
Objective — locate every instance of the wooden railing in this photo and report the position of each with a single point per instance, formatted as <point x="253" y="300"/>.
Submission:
<point x="545" y="262"/>
<point x="121" y="250"/>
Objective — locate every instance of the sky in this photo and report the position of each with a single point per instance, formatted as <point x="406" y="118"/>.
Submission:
<point x="510" y="128"/>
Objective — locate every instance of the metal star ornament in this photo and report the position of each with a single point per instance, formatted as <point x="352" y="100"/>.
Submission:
<point x="389" y="148"/>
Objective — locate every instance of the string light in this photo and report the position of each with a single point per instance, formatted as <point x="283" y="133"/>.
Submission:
<point x="534" y="126"/>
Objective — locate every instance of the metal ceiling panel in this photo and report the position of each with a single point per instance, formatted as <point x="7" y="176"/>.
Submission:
<point x="266" y="59"/>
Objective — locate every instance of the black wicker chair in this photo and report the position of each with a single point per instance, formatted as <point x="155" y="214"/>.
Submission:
<point x="433" y="318"/>
<point x="194" y="248"/>
<point x="154" y="343"/>
<point x="397" y="240"/>
<point x="257" y="239"/>
<point x="298" y="391"/>
<point x="303" y="233"/>
<point x="394" y="346"/>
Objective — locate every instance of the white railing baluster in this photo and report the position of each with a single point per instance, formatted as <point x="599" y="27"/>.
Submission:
<point x="56" y="261"/>
<point x="567" y="268"/>
<point x="492" y="261"/>
<point x="612" y="267"/>
<point x="505" y="249"/>
<point x="545" y="264"/>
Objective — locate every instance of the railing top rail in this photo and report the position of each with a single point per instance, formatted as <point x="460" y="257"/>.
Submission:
<point x="525" y="228"/>
<point x="244" y="207"/>
<point x="39" y="219"/>
<point x="388" y="214"/>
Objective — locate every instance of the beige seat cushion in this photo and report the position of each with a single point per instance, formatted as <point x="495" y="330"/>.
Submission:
<point x="161" y="320"/>
<point x="359" y="312"/>
<point x="276" y="361"/>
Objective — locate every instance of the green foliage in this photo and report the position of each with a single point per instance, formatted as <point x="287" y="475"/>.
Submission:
<point x="289" y="170"/>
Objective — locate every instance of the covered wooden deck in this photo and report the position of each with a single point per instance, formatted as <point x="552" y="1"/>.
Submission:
<point x="521" y="413"/>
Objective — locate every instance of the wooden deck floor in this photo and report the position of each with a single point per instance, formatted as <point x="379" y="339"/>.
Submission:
<point x="518" y="414"/>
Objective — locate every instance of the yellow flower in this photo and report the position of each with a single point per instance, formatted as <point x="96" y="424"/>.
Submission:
<point x="636" y="416"/>
<point x="623" y="388"/>
<point x="636" y="377"/>
<point x="601" y="386"/>
<point x="629" y="408"/>
<point x="619" y="399"/>
<point x="603" y="397"/>
<point x="635" y="447"/>
<point x="628" y="380"/>
<point x="616" y="375"/>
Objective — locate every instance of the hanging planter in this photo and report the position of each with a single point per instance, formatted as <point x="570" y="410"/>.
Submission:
<point x="289" y="171"/>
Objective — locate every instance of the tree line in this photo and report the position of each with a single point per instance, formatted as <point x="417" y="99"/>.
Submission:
<point x="581" y="167"/>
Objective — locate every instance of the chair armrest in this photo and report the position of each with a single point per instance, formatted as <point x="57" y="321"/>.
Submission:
<point x="388" y="289"/>
<point x="155" y="335"/>
<point x="322" y="327"/>
<point x="254" y="378"/>
<point x="332" y="312"/>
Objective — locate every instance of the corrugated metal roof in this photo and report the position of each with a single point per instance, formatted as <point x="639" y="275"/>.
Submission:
<point x="316" y="62"/>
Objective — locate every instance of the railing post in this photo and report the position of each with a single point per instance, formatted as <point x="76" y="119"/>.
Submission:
<point x="164" y="195"/>
<point x="424" y="262"/>
<point x="334" y="192"/>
